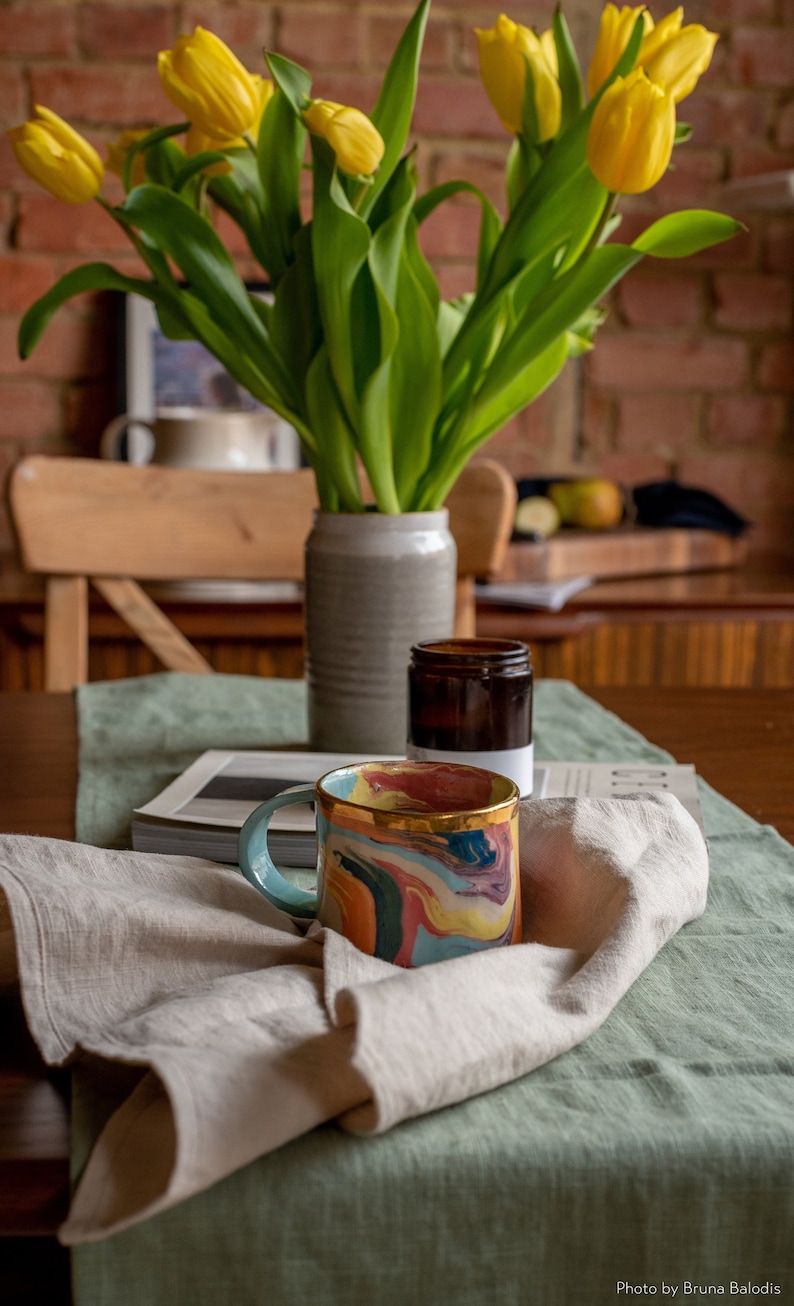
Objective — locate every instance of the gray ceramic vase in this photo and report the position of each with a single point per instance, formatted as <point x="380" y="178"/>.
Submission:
<point x="375" y="585"/>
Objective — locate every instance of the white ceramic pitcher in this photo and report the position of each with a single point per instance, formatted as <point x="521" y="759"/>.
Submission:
<point x="228" y="440"/>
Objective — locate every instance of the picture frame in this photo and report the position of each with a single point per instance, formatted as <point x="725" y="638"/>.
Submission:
<point x="160" y="374"/>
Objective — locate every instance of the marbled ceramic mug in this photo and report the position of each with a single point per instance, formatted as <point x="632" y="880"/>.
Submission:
<point x="416" y="861"/>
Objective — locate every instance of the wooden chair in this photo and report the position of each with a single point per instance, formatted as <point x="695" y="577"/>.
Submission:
<point x="79" y="520"/>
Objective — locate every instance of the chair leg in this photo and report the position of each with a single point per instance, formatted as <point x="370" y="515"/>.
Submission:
<point x="65" y="632"/>
<point x="465" y="608"/>
<point x="156" y="630"/>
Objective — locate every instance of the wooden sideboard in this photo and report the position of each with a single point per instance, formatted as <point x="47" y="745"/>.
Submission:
<point x="728" y="628"/>
<point x="732" y="628"/>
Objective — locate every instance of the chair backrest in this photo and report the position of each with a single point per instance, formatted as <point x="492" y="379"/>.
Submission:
<point x="79" y="520"/>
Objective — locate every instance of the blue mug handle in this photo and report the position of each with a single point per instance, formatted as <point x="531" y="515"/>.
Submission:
<point x="257" y="865"/>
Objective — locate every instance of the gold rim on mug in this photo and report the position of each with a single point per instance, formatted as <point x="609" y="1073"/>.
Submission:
<point x="465" y="819"/>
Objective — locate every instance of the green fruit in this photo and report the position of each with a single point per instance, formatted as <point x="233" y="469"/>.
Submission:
<point x="537" y="516"/>
<point x="595" y="505"/>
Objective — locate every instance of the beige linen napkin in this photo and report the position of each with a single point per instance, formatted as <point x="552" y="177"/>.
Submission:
<point x="250" y="1032"/>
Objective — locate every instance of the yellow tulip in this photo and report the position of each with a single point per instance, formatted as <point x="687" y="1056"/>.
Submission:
<point x="318" y="115"/>
<point x="676" y="56"/>
<point x="58" y="157"/>
<point x="117" y="157"/>
<point x="353" y="137"/>
<point x="631" y="135"/>
<point x="209" y="85"/>
<point x="614" y="31"/>
<point x="505" y="50"/>
<point x="197" y="141"/>
<point x="549" y="48"/>
<point x="658" y="34"/>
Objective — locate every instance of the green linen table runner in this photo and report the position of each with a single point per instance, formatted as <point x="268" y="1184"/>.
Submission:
<point x="656" y="1155"/>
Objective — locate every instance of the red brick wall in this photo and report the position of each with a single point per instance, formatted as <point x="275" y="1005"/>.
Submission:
<point x="692" y="372"/>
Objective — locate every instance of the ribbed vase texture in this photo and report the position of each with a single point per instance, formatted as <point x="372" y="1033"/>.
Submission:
<point x="375" y="585"/>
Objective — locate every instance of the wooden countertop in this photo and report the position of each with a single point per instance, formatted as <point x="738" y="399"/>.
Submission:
<point x="761" y="582"/>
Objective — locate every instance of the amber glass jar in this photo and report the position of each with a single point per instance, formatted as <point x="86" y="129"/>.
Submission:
<point x="470" y="700"/>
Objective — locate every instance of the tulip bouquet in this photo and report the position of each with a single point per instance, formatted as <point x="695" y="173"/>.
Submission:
<point x="357" y="349"/>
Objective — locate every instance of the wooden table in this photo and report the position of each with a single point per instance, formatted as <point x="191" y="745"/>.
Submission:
<point x="731" y="628"/>
<point x="741" y="742"/>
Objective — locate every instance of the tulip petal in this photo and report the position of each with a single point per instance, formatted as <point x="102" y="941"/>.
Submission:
<point x="209" y="84"/>
<point x="679" y="63"/>
<point x="614" y="33"/>
<point x="659" y="35"/>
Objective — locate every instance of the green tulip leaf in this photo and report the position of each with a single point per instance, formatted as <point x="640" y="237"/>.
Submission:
<point x="490" y="222"/>
<point x="340" y="245"/>
<point x="173" y="326"/>
<point x="469" y="433"/>
<point x="282" y="139"/>
<point x="536" y="220"/>
<point x="387" y="240"/>
<point x="144" y="143"/>
<point x="530" y="129"/>
<point x="679" y="234"/>
<point x="420" y="266"/>
<point x="535" y="377"/>
<point x="415" y="384"/>
<point x="377" y="433"/>
<point x="523" y="161"/>
<point x="451" y="315"/>
<point x="183" y="234"/>
<point x="89" y="277"/>
<point x="162" y="161"/>
<point x="195" y="164"/>
<point x="240" y="195"/>
<point x="295" y="320"/>
<point x="489" y="316"/>
<point x="581" y="336"/>
<point x="262" y="382"/>
<point x="394" y="107"/>
<point x="293" y="81"/>
<point x="569" y="73"/>
<point x="683" y="131"/>
<point x="554" y="311"/>
<point x="332" y="431"/>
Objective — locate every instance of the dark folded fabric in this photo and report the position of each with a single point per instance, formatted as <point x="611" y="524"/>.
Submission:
<point x="668" y="503"/>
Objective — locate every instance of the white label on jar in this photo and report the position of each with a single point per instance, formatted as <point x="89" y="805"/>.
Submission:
<point x="515" y="763"/>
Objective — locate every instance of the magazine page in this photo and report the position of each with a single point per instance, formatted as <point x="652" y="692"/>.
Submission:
<point x="223" y="788"/>
<point x="610" y="780"/>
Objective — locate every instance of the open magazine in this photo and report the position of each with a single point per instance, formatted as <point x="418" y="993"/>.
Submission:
<point x="201" y="812"/>
<point x="551" y="595"/>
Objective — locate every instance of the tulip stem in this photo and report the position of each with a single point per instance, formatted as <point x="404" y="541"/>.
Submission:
<point x="201" y="196"/>
<point x="609" y="205"/>
<point x="360" y="192"/>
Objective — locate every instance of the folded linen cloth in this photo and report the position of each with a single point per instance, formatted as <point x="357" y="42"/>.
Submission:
<point x="249" y="1032"/>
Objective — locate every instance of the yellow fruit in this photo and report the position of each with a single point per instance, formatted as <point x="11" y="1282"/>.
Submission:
<point x="537" y="515"/>
<point x="595" y="505"/>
